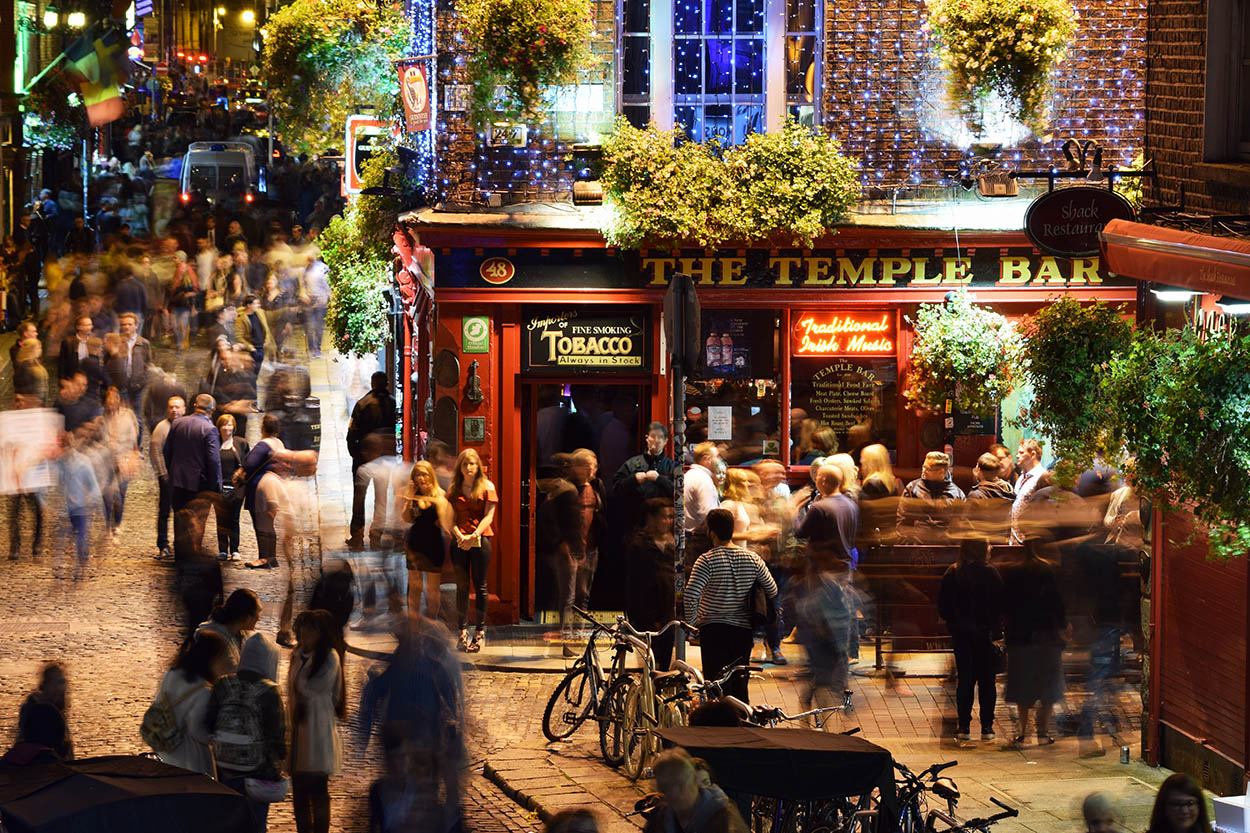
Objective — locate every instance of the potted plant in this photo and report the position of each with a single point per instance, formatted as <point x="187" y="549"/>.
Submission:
<point x="1003" y="47"/>
<point x="962" y="352"/>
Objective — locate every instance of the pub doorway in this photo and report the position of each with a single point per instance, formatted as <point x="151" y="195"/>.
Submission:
<point x="561" y="422"/>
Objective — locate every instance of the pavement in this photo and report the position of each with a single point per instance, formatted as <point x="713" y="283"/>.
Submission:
<point x="117" y="631"/>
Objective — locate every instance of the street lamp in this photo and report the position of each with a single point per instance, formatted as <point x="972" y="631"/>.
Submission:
<point x="76" y="20"/>
<point x="51" y="19"/>
<point x="248" y="17"/>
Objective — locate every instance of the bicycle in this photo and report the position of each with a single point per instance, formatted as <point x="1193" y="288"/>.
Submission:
<point x="977" y="825"/>
<point x="586" y="688"/>
<point x="912" y="789"/>
<point x="650" y="704"/>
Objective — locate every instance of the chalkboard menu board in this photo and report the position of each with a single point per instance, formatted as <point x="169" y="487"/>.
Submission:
<point x="843" y="391"/>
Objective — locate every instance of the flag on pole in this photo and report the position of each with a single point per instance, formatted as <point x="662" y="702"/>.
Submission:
<point x="99" y="61"/>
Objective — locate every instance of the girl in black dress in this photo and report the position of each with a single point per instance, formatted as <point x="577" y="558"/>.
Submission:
<point x="426" y="542"/>
<point x="232" y="452"/>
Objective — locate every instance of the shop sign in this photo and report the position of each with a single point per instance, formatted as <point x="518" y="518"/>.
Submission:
<point x="496" y="270"/>
<point x="581" y="340"/>
<point x="364" y="136"/>
<point x="414" y="91"/>
<point x="475" y="334"/>
<point x="1066" y="223"/>
<point x="844" y="333"/>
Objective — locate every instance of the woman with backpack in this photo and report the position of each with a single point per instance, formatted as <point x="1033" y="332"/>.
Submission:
<point x="248" y="723"/>
<point x="317" y="700"/>
<point x="234" y="620"/>
<point x="174" y="725"/>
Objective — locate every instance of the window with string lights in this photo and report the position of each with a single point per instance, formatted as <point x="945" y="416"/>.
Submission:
<point x="718" y="68"/>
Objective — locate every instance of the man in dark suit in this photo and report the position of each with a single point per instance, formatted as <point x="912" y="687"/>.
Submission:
<point x="192" y="459"/>
<point x="374" y="413"/>
<point x="128" y="365"/>
<point x="74" y="348"/>
<point x="130" y="295"/>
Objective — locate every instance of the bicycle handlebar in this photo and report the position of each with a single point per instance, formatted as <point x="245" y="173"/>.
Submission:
<point x="1010" y="812"/>
<point x="624" y="623"/>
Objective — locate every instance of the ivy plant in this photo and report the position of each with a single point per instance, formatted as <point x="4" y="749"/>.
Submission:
<point x="327" y="59"/>
<point x="666" y="191"/>
<point x="964" y="352"/>
<point x="1008" y="47"/>
<point x="520" y="47"/>
<point x="1181" y="406"/>
<point x="1064" y="346"/>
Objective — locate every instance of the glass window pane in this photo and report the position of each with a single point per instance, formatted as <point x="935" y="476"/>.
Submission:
<point x="637" y="115"/>
<point x="636" y="66"/>
<point x="748" y="118"/>
<point x="686" y="16"/>
<point x="718" y="123"/>
<point x="718" y="71"/>
<point x="688" y="117"/>
<point x="800" y="16"/>
<point x="720" y="17"/>
<point x="687" y="70"/>
<point x="804" y="114"/>
<point x="636" y="16"/>
<point x="750" y="15"/>
<point x="748" y="66"/>
<point x="800" y="67"/>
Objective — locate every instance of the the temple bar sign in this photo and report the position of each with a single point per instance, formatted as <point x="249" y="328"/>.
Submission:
<point x="915" y="268"/>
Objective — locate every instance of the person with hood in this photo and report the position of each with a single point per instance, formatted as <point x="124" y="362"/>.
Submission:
<point x="247" y="721"/>
<point x="688" y="807"/>
<point x="990" y="500"/>
<point x="929" y="502"/>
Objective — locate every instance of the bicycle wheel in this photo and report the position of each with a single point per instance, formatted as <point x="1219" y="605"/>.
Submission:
<point x="612" y="720"/>
<point x="636" y="726"/>
<point x="569" y="705"/>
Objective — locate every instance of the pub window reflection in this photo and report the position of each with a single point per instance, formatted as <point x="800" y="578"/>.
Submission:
<point x="734" y="397"/>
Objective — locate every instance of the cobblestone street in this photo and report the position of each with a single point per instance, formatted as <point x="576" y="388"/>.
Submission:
<point x="118" y="629"/>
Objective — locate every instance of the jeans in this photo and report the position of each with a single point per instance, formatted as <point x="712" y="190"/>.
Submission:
<point x="575" y="572"/>
<point x="724" y="646"/>
<point x="260" y="809"/>
<point x="162" y="513"/>
<point x="81" y="524"/>
<point x="115" y="503"/>
<point x="310" y="793"/>
<point x="190" y="520"/>
<point x="182" y="323"/>
<point x="360" y="489"/>
<point x="35" y="501"/>
<point x="474" y="561"/>
<point x="774" y="632"/>
<point x="1102" y="651"/>
<point x="228" y="511"/>
<point x="314" y="328"/>
<point x="974" y="667"/>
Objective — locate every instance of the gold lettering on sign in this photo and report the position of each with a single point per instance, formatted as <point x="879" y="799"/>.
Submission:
<point x="1085" y="271"/>
<point x="1014" y="270"/>
<point x="827" y="333"/>
<point x="848" y="275"/>
<point x="955" y="270"/>
<point x="731" y="271"/>
<point x="782" y="265"/>
<point x="893" y="267"/>
<point x="1049" y="271"/>
<point x="701" y="274"/>
<point x="818" y="272"/>
<point x="659" y="267"/>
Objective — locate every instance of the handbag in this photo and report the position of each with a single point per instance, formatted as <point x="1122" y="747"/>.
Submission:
<point x="998" y="656"/>
<point x="762" y="609"/>
<point x="267" y="790"/>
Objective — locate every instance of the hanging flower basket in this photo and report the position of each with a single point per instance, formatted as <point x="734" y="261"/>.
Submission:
<point x="523" y="46"/>
<point x="1007" y="47"/>
<point x="964" y="352"/>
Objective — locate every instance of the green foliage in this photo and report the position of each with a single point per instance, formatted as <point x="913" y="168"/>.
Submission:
<point x="53" y="120"/>
<point x="1181" y="405"/>
<point x="327" y="59"/>
<point x="356" y="247"/>
<point x="523" y="46"/>
<point x="1064" y="345"/>
<point x="666" y="191"/>
<point x="1008" y="47"/>
<point x="964" y="352"/>
<point x="1131" y="187"/>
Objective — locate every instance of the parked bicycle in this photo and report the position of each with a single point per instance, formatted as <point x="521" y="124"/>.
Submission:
<point x="977" y="825"/>
<point x="655" y="702"/>
<point x="913" y="790"/>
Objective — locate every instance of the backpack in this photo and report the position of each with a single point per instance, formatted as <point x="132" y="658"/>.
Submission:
<point x="160" y="729"/>
<point x="238" y="739"/>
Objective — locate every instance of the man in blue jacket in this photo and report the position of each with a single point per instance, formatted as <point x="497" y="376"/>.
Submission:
<point x="194" y="465"/>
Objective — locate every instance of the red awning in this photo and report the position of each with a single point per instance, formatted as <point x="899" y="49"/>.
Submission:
<point x="1201" y="262"/>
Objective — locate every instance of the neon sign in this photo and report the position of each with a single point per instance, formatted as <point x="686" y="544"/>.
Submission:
<point x="852" y="333"/>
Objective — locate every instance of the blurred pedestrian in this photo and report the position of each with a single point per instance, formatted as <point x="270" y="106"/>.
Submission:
<point x="577" y="820"/>
<point x="315" y="296"/>
<point x="699" y="496"/>
<point x="930" y="502"/>
<point x="128" y="363"/>
<point x="251" y="332"/>
<point x="234" y="621"/>
<point x="402" y="801"/>
<point x="187" y="688"/>
<point x="317" y="701"/>
<point x="824" y="615"/>
<point x="373" y="415"/>
<point x="717" y="598"/>
<point x="651" y="576"/>
<point x="1029" y="464"/>
<point x="1035" y="620"/>
<point x="52" y="694"/>
<point x="990" y="500"/>
<point x="74" y="347"/>
<point x="175" y="407"/>
<point x="427" y="540"/>
<point x="82" y="497"/>
<point x="181" y="301"/>
<point x="1180" y="807"/>
<point x="1100" y="813"/>
<point x="333" y="593"/>
<point x="232" y="451"/>
<point x="970" y="602"/>
<point x="247" y="721"/>
<point x="120" y="438"/>
<point x="687" y="806"/>
<point x="97" y="375"/>
<point x="191" y="458"/>
<point x="473" y="501"/>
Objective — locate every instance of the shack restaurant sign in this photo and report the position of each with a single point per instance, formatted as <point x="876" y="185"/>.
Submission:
<point x="564" y="340"/>
<point x="1065" y="223"/>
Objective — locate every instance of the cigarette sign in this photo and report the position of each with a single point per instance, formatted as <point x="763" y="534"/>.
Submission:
<point x="578" y="340"/>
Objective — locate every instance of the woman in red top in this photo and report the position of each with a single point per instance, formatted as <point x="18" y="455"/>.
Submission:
<point x="473" y="500"/>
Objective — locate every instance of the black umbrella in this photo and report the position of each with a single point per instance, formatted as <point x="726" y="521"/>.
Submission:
<point x="122" y="793"/>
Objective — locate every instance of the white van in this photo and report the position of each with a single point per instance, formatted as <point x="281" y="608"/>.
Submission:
<point x="219" y="173"/>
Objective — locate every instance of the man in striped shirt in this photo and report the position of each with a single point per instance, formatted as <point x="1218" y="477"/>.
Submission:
<point x="718" y="598"/>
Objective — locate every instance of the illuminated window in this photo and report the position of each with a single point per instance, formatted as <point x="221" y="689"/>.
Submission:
<point x="635" y="55"/>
